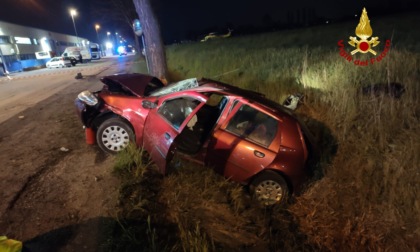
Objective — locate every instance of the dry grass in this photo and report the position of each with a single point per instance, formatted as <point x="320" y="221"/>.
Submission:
<point x="364" y="195"/>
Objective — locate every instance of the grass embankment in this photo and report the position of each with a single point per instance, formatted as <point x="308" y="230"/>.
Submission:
<point x="365" y="192"/>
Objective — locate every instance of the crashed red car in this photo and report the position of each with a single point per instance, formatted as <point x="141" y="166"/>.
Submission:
<point x="244" y="136"/>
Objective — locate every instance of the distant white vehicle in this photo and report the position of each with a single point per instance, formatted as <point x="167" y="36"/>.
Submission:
<point x="76" y="51"/>
<point x="121" y="50"/>
<point x="58" y="62"/>
<point x="95" y="50"/>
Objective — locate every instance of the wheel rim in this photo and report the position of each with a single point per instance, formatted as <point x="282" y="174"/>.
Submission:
<point x="115" y="138"/>
<point x="269" y="192"/>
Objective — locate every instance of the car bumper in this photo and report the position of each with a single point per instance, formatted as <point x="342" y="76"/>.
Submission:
<point x="81" y="111"/>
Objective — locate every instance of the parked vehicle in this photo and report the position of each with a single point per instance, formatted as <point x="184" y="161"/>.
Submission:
<point x="245" y="136"/>
<point x="95" y="50"/>
<point x="75" y="51"/>
<point x="72" y="59"/>
<point x="26" y="47"/>
<point x="58" y="62"/>
<point x="122" y="51"/>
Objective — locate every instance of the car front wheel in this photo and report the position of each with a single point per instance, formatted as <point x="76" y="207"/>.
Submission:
<point x="270" y="188"/>
<point x="114" y="135"/>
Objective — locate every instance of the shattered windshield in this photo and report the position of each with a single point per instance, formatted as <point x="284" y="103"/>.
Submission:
<point x="175" y="87"/>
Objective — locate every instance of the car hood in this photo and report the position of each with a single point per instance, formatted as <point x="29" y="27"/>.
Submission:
<point x="138" y="84"/>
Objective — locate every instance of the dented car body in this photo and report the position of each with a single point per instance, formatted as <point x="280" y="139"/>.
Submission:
<point x="241" y="134"/>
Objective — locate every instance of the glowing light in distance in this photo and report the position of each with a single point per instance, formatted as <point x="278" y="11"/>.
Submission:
<point x="109" y="45"/>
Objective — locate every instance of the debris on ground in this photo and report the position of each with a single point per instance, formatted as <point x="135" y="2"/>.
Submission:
<point x="393" y="89"/>
<point x="292" y="101"/>
<point x="79" y="76"/>
<point x="9" y="245"/>
<point x="64" y="149"/>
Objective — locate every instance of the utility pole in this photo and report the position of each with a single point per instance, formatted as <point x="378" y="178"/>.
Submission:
<point x="73" y="13"/>
<point x="97" y="35"/>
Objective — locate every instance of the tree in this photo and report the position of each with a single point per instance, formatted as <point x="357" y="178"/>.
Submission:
<point x="155" y="51"/>
<point x="121" y="12"/>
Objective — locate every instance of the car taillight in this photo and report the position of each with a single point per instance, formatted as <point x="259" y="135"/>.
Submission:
<point x="302" y="139"/>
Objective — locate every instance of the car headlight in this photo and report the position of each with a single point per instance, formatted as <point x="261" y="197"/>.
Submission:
<point x="88" y="98"/>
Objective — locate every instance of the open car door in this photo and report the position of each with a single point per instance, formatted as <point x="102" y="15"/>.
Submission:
<point x="165" y="122"/>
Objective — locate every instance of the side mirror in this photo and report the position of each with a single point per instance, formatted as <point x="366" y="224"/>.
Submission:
<point x="149" y="104"/>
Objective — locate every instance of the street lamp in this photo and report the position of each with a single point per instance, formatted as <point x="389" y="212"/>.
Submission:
<point x="97" y="28"/>
<point x="73" y="13"/>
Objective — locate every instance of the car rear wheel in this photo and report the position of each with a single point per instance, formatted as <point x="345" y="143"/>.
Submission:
<point x="114" y="135"/>
<point x="270" y="188"/>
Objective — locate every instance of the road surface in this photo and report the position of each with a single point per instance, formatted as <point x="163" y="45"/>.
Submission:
<point x="22" y="90"/>
<point x="56" y="191"/>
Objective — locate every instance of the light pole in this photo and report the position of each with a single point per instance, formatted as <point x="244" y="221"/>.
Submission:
<point x="108" y="44"/>
<point x="73" y="13"/>
<point x="97" y="35"/>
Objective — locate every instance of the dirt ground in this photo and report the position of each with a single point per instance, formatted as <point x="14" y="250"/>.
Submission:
<point x="57" y="191"/>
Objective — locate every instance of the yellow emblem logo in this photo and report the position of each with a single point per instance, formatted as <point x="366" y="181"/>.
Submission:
<point x="363" y="31"/>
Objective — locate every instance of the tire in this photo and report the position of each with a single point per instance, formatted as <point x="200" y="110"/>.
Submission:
<point x="114" y="135"/>
<point x="270" y="188"/>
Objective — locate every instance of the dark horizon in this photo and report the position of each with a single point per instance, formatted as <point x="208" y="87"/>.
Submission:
<point x="188" y="20"/>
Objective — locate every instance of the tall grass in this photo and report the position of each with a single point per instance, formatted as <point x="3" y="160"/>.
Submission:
<point x="367" y="197"/>
<point x="364" y="195"/>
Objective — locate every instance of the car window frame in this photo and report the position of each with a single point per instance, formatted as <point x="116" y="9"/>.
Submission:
<point x="236" y="105"/>
<point x="187" y="118"/>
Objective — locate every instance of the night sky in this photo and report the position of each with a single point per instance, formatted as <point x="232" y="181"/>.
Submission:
<point x="184" y="19"/>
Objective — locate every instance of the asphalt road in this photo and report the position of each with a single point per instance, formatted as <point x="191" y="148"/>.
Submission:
<point x="53" y="183"/>
<point x="21" y="90"/>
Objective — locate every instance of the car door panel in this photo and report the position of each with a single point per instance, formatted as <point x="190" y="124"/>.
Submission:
<point x="238" y="155"/>
<point x="236" y="158"/>
<point x="161" y="130"/>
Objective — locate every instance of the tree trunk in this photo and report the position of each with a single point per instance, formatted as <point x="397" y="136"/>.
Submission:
<point x="155" y="51"/>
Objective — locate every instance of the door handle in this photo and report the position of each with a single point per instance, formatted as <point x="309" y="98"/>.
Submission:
<point x="167" y="136"/>
<point x="259" y="154"/>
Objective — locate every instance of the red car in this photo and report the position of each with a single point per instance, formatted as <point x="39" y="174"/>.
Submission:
<point x="246" y="137"/>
